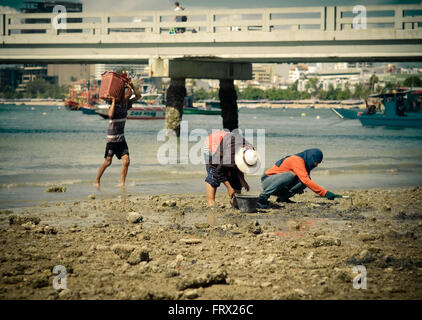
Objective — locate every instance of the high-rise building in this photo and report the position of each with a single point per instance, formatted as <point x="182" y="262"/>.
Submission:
<point x="10" y="76"/>
<point x="263" y="73"/>
<point x="296" y="72"/>
<point x="140" y="70"/>
<point x="47" y="6"/>
<point x="68" y="73"/>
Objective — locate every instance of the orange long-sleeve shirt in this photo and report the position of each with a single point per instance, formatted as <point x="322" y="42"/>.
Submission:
<point x="296" y="165"/>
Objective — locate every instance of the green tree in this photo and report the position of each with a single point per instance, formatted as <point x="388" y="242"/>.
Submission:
<point x="41" y="88"/>
<point x="200" y="94"/>
<point x="322" y="95"/>
<point x="346" y="93"/>
<point x="251" y="93"/>
<point x="391" y="85"/>
<point x="358" y="91"/>
<point x="412" y="81"/>
<point x="293" y="87"/>
<point x="372" y="81"/>
<point x="312" y="86"/>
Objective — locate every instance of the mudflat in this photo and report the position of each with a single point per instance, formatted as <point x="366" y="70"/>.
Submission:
<point x="172" y="247"/>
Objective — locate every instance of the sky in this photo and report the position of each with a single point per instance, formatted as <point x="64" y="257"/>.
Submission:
<point x="127" y="5"/>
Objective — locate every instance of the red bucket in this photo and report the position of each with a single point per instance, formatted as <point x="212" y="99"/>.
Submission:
<point x="112" y="84"/>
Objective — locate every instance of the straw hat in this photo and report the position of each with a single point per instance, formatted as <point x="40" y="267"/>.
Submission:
<point x="247" y="160"/>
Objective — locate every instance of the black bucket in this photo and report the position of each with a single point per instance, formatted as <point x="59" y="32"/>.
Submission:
<point x="247" y="203"/>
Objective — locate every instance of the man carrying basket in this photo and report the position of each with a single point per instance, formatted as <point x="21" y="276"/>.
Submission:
<point x="116" y="142"/>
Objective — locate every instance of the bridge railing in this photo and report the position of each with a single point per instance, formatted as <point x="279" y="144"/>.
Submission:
<point x="16" y="28"/>
<point x="398" y="17"/>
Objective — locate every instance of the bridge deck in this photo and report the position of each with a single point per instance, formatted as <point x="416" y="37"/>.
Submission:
<point x="392" y="33"/>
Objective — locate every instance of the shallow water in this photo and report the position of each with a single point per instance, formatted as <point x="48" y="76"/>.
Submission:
<point x="44" y="146"/>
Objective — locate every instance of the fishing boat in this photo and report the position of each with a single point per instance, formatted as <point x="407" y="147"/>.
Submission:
<point x="344" y="113"/>
<point x="71" y="105"/>
<point x="90" y="110"/>
<point x="139" y="111"/>
<point x="83" y="97"/>
<point x="402" y="109"/>
<point x="90" y="105"/>
<point x="209" y="107"/>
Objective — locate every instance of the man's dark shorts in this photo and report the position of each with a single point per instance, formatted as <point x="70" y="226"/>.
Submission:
<point x="215" y="180"/>
<point x="116" y="148"/>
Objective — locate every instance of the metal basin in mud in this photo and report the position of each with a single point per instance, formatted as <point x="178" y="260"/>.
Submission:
<point x="247" y="203"/>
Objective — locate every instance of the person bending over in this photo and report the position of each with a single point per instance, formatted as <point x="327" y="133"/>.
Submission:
<point x="228" y="156"/>
<point x="290" y="176"/>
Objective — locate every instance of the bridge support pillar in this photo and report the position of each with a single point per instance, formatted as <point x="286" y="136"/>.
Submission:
<point x="228" y="102"/>
<point x="176" y="94"/>
<point x="200" y="69"/>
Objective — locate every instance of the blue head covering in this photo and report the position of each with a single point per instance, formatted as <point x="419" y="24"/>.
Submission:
<point x="310" y="156"/>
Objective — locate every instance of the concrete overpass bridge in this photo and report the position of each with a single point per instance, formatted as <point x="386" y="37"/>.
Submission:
<point x="393" y="33"/>
<point x="216" y="44"/>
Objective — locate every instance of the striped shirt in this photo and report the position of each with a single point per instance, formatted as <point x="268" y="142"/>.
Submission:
<point x="116" y="128"/>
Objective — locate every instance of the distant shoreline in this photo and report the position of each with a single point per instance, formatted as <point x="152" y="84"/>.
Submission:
<point x="294" y="104"/>
<point x="33" y="102"/>
<point x="301" y="106"/>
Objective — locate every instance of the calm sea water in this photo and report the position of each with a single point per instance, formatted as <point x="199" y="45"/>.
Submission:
<point x="44" y="146"/>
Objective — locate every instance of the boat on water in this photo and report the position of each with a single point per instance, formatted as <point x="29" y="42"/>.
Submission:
<point x="84" y="97"/>
<point x="90" y="110"/>
<point x="351" y="113"/>
<point x="210" y="107"/>
<point x="139" y="111"/>
<point x="71" y="105"/>
<point x="150" y="107"/>
<point x="402" y="109"/>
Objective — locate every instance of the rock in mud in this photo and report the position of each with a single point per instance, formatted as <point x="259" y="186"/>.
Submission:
<point x="343" y="276"/>
<point x="39" y="283"/>
<point x="138" y="255"/>
<point x="400" y="235"/>
<point x="171" y="274"/>
<point x="206" y="280"/>
<point x="365" y="255"/>
<point x="28" y="226"/>
<point x="270" y="259"/>
<point x="326" y="241"/>
<point x="123" y="250"/>
<point x="20" y="220"/>
<point x="367" y="237"/>
<point x="293" y="225"/>
<point x="190" y="241"/>
<point x="169" y="203"/>
<point x="134" y="217"/>
<point x="296" y="294"/>
<point x="310" y="256"/>
<point x="56" y="189"/>
<point x="191" y="294"/>
<point x="255" y="228"/>
<point x="49" y="230"/>
<point x="91" y="197"/>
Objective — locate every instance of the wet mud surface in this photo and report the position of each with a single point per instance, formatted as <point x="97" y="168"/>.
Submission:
<point x="172" y="247"/>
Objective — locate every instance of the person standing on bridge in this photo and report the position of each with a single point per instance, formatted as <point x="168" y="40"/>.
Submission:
<point x="290" y="176"/>
<point x="178" y="7"/>
<point x="116" y="142"/>
<point x="228" y="156"/>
